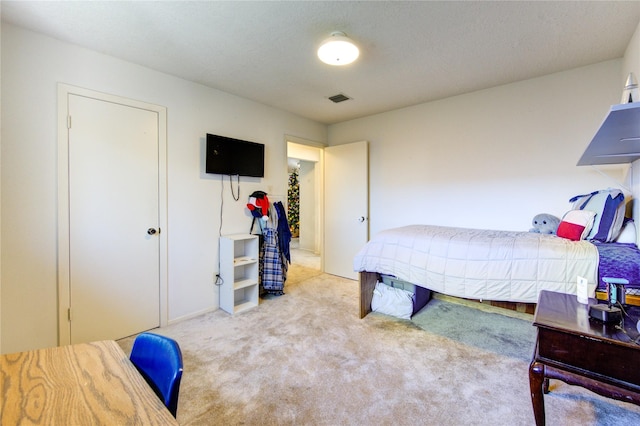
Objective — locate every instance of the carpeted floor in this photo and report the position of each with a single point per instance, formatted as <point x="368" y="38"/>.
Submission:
<point x="305" y="358"/>
<point x="487" y="329"/>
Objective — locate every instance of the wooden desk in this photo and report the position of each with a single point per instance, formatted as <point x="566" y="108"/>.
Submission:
<point x="580" y="351"/>
<point x="83" y="384"/>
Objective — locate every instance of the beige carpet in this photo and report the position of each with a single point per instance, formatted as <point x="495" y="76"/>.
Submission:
<point x="305" y="358"/>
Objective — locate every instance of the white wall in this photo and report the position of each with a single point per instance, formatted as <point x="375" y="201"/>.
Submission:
<point x="308" y="205"/>
<point x="32" y="65"/>
<point x="631" y="63"/>
<point x="489" y="159"/>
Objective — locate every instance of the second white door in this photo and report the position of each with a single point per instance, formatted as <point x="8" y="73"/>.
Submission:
<point x="346" y="178"/>
<point x="113" y="220"/>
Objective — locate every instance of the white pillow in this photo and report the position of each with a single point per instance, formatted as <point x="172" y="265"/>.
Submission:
<point x="392" y="301"/>
<point x="627" y="234"/>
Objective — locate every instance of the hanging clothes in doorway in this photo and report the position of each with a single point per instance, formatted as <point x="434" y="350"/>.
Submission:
<point x="284" y="232"/>
<point x="275" y="238"/>
<point x="273" y="269"/>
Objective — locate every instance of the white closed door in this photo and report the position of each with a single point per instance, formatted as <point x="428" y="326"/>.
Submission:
<point x="114" y="255"/>
<point x="346" y="226"/>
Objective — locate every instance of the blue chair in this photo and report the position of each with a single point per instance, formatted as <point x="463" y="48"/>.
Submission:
<point x="159" y="361"/>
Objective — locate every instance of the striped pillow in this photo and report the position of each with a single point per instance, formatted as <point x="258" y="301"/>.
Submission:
<point x="609" y="206"/>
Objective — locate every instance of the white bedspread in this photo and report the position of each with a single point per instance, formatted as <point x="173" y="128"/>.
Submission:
<point x="480" y="264"/>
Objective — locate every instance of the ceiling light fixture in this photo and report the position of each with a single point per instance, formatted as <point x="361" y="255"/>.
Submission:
<point x="338" y="50"/>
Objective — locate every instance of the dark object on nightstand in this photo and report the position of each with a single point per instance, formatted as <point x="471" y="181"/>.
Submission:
<point x="605" y="313"/>
<point x="610" y="314"/>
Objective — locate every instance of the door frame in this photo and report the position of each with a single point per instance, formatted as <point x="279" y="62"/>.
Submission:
<point x="319" y="195"/>
<point x="64" y="281"/>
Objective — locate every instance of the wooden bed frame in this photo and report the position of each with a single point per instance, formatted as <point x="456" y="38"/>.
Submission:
<point x="368" y="283"/>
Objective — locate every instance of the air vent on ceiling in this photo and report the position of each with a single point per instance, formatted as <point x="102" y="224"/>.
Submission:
<point x="339" y="98"/>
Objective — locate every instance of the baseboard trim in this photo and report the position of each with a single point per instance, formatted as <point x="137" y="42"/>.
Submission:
<point x="192" y="315"/>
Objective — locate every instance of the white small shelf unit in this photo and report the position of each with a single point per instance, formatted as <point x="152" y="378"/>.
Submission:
<point x="239" y="272"/>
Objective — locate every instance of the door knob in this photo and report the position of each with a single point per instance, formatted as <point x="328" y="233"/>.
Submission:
<point x="361" y="219"/>
<point x="151" y="231"/>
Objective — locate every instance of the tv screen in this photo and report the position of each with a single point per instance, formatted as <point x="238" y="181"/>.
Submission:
<point x="228" y="156"/>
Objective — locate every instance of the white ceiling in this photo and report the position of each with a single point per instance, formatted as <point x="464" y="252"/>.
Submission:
<point x="411" y="52"/>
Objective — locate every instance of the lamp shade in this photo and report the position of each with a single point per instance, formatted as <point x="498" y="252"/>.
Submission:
<point x="338" y="50"/>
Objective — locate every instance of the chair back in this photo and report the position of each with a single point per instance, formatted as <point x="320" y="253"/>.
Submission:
<point x="159" y="360"/>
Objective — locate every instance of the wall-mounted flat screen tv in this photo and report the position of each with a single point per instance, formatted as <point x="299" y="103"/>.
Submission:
<point x="228" y="156"/>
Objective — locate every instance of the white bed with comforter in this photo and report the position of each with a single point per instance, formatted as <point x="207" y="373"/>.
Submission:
<point x="477" y="263"/>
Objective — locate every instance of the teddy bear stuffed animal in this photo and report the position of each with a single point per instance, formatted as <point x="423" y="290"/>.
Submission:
<point x="545" y="223"/>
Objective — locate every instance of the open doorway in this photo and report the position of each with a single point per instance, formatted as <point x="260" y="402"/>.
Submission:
<point x="304" y="202"/>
